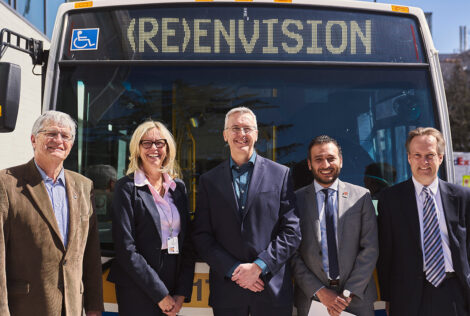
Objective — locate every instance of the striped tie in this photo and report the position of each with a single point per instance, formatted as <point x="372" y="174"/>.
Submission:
<point x="433" y="253"/>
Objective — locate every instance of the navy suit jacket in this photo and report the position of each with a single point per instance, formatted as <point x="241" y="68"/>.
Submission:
<point x="137" y="241"/>
<point x="267" y="229"/>
<point x="400" y="264"/>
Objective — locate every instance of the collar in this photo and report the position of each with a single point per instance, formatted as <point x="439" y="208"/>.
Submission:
<point x="251" y="161"/>
<point x="45" y="177"/>
<point x="140" y="180"/>
<point x="319" y="187"/>
<point x="433" y="187"/>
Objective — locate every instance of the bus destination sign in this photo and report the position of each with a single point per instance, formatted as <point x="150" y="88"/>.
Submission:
<point x="250" y="33"/>
<point x="265" y="37"/>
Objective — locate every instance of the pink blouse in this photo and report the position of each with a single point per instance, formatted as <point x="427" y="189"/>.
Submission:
<point x="169" y="216"/>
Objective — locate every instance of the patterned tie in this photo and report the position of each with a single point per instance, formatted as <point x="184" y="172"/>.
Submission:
<point x="433" y="253"/>
<point x="331" y="237"/>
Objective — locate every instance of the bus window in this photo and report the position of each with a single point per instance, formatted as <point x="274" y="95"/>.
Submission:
<point x="368" y="110"/>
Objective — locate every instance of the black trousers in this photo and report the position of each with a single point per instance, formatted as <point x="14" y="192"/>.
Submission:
<point x="260" y="304"/>
<point x="133" y="301"/>
<point x="254" y="310"/>
<point x="448" y="299"/>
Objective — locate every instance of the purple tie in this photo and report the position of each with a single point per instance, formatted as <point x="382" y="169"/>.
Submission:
<point x="331" y="237"/>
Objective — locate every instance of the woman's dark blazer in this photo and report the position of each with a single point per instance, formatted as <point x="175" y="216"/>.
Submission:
<point x="137" y="241"/>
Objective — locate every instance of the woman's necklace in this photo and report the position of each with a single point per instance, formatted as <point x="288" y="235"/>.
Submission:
<point x="159" y="188"/>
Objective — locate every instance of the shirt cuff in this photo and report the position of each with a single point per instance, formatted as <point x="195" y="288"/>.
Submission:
<point x="260" y="263"/>
<point x="230" y="272"/>
<point x="315" y="294"/>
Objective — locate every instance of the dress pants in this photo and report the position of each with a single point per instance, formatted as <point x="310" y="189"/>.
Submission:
<point x="448" y="299"/>
<point x="254" y="311"/>
<point x="136" y="301"/>
<point x="260" y="304"/>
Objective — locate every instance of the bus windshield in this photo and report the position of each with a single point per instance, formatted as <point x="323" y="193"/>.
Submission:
<point x="368" y="110"/>
<point x="361" y="78"/>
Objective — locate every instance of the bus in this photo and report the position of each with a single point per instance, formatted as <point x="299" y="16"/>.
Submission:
<point x="363" y="73"/>
<point x="18" y="141"/>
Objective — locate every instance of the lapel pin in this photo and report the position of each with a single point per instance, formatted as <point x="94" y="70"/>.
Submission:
<point x="75" y="196"/>
<point x="345" y="194"/>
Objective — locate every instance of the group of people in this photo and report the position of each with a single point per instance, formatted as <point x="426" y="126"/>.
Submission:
<point x="256" y="234"/>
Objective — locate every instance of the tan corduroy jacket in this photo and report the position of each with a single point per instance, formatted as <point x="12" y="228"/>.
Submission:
<point x="37" y="274"/>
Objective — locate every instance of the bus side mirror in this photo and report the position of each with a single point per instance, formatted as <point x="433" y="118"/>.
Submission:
<point x="10" y="87"/>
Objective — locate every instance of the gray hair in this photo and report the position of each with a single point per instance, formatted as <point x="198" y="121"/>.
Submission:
<point x="242" y="110"/>
<point x="60" y="118"/>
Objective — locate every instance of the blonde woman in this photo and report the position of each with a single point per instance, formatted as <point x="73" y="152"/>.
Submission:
<point x="153" y="269"/>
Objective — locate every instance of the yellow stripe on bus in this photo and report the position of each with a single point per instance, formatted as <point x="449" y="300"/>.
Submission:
<point x="200" y="297"/>
<point x="109" y="290"/>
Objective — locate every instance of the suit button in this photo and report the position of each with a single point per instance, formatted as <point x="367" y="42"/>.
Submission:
<point x="320" y="253"/>
<point x="61" y="286"/>
<point x="65" y="262"/>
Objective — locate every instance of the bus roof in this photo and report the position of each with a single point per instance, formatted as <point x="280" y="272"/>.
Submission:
<point x="330" y="3"/>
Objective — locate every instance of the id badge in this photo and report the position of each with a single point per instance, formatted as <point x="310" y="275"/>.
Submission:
<point x="173" y="245"/>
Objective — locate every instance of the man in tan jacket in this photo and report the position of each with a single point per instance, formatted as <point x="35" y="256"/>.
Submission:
<point x="49" y="247"/>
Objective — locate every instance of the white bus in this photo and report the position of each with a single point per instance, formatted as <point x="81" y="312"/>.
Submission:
<point x="364" y="73"/>
<point x="17" y="142"/>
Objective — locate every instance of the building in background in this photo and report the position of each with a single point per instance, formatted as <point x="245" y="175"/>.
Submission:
<point x="40" y="13"/>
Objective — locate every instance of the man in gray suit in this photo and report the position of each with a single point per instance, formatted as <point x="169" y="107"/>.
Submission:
<point x="339" y="247"/>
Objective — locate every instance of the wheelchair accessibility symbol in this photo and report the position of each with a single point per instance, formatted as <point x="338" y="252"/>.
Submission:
<point x="84" y="39"/>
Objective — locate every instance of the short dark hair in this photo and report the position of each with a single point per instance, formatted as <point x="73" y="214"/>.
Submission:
<point x="323" y="139"/>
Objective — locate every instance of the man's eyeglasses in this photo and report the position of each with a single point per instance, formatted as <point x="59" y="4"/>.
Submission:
<point x="53" y="134"/>
<point x="159" y="143"/>
<point x="238" y="129"/>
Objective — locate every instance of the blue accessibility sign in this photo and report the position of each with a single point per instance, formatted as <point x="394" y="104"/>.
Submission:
<point x="84" y="39"/>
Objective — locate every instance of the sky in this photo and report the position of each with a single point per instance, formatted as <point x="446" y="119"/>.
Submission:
<point x="447" y="16"/>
